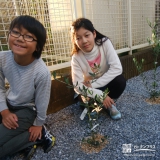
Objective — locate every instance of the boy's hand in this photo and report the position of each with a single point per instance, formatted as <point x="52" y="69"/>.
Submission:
<point x="35" y="133"/>
<point x="9" y="119"/>
<point x="108" y="102"/>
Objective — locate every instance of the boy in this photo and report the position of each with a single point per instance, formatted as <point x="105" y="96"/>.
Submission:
<point x="23" y="106"/>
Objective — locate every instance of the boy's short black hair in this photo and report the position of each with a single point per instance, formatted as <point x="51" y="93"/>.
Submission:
<point x="34" y="27"/>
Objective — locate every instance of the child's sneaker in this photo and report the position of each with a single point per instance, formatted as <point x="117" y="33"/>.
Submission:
<point x="114" y="113"/>
<point x="48" y="139"/>
<point x="29" y="151"/>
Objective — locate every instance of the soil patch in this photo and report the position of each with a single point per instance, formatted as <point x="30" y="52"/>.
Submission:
<point x="153" y="100"/>
<point x="90" y="148"/>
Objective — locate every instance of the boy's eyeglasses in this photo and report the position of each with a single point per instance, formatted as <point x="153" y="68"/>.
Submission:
<point x="25" y="37"/>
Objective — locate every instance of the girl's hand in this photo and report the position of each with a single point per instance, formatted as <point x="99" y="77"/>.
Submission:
<point x="35" y="133"/>
<point x="87" y="84"/>
<point x="108" y="102"/>
<point x="9" y="119"/>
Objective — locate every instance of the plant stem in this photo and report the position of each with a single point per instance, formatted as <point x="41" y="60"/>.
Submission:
<point x="64" y="83"/>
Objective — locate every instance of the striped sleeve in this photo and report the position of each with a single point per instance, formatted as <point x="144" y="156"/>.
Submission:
<point x="3" y="104"/>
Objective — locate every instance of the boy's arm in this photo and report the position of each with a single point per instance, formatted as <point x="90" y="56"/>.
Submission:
<point x="42" y="96"/>
<point x="9" y="119"/>
<point x="3" y="105"/>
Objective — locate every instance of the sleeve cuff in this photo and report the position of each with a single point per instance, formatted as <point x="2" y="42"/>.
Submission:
<point x="94" y="85"/>
<point x="3" y="106"/>
<point x="38" y="122"/>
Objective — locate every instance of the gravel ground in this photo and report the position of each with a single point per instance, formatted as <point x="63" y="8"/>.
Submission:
<point x="139" y="127"/>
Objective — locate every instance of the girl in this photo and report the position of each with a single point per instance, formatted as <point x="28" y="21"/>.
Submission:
<point x="23" y="107"/>
<point x="93" y="54"/>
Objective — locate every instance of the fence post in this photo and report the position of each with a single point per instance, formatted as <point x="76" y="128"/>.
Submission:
<point x="83" y="8"/>
<point x="130" y="26"/>
<point x="74" y="9"/>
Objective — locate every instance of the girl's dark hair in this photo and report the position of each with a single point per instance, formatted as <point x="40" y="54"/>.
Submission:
<point x="87" y="24"/>
<point x="34" y="27"/>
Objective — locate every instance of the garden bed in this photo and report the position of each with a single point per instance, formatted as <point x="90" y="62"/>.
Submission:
<point x="136" y="136"/>
<point x="62" y="97"/>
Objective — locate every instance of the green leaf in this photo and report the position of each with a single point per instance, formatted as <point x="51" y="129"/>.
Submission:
<point x="76" y="84"/>
<point x="106" y="137"/>
<point x="80" y="89"/>
<point x="90" y="92"/>
<point x="84" y="104"/>
<point x="54" y="74"/>
<point x="134" y="60"/>
<point x="69" y="86"/>
<point x="106" y="90"/>
<point x="83" y="139"/>
<point x="92" y="74"/>
<point x="66" y="80"/>
<point x="154" y="24"/>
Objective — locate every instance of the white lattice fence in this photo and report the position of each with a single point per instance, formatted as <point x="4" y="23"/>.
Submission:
<point x="56" y="16"/>
<point x="110" y="18"/>
<point x="123" y="21"/>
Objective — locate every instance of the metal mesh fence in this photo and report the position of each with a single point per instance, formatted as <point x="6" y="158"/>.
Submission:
<point x="157" y="16"/>
<point x="110" y="18"/>
<point x="141" y="11"/>
<point x="56" y="16"/>
<point x="125" y="24"/>
<point x="123" y="21"/>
